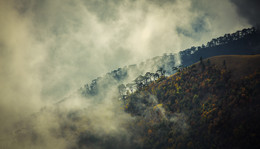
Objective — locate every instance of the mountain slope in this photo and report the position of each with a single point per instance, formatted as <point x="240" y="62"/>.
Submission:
<point x="211" y="104"/>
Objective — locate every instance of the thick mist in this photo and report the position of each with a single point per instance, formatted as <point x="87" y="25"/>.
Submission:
<point x="49" y="49"/>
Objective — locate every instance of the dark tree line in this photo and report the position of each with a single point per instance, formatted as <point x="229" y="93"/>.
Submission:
<point x="242" y="41"/>
<point x="230" y="37"/>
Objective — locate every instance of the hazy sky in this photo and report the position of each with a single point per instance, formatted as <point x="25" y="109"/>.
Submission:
<point x="49" y="48"/>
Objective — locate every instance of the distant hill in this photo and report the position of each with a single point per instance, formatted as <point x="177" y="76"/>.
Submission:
<point x="211" y="104"/>
<point x="244" y="42"/>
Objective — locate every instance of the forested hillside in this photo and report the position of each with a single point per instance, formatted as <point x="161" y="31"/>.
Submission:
<point x="211" y="104"/>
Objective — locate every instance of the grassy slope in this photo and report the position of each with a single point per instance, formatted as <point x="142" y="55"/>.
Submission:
<point x="207" y="105"/>
<point x="238" y="65"/>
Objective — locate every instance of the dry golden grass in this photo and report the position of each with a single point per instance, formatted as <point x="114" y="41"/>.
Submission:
<point x="238" y="65"/>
